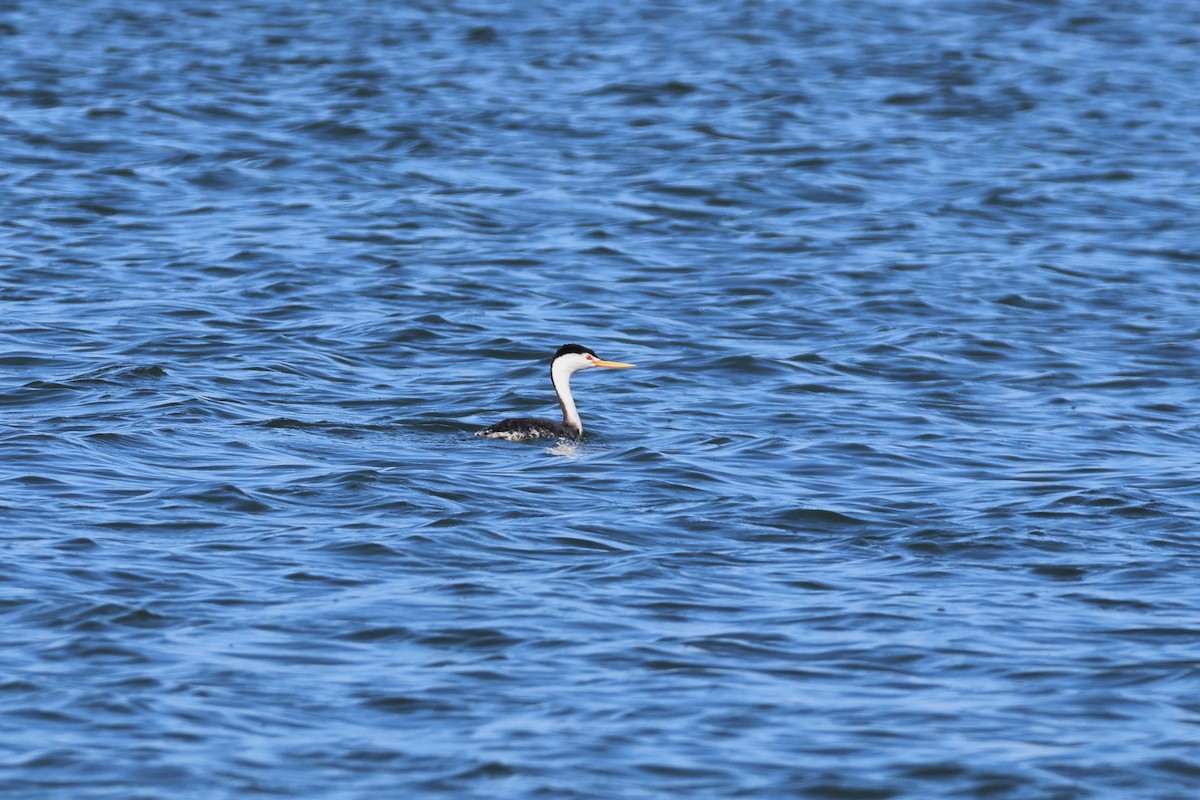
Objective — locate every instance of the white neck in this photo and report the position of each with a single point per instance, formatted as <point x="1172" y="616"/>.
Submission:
<point x="560" y="375"/>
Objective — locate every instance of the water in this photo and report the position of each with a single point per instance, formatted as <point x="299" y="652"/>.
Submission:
<point x="900" y="502"/>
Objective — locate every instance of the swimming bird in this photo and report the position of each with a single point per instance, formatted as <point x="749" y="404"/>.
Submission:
<point x="569" y="359"/>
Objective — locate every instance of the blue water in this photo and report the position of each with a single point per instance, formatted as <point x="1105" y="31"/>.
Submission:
<point x="901" y="500"/>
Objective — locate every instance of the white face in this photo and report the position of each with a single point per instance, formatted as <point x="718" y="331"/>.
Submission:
<point x="577" y="361"/>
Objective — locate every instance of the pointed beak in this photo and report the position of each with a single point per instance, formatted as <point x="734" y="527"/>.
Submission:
<point x="599" y="362"/>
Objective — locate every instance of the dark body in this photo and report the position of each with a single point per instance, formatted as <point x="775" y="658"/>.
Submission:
<point x="521" y="429"/>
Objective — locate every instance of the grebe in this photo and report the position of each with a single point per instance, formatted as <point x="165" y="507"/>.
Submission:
<point x="569" y="359"/>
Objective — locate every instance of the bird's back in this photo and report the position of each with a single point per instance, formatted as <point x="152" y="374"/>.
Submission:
<point x="523" y="429"/>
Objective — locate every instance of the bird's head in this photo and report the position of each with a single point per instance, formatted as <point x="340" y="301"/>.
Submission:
<point x="574" y="357"/>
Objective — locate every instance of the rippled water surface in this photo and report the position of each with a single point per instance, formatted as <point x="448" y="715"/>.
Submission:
<point x="900" y="502"/>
